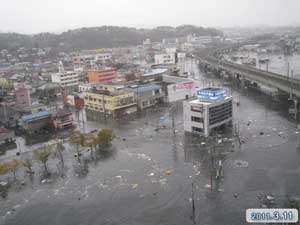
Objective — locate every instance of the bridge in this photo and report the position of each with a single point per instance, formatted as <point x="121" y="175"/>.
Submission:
<point x="282" y="83"/>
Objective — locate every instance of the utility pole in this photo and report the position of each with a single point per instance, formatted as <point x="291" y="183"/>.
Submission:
<point x="173" y="120"/>
<point x="103" y="107"/>
<point x="5" y="114"/>
<point x="83" y="123"/>
<point x="288" y="70"/>
<point x="193" y="205"/>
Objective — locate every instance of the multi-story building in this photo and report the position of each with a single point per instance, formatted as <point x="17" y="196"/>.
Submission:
<point x="88" y="61"/>
<point x="211" y="110"/>
<point x="147" y="95"/>
<point x="22" y="96"/>
<point x="66" y="79"/>
<point x="111" y="100"/>
<point x="102" y="75"/>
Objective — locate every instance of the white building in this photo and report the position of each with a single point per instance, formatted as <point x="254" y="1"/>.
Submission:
<point x="165" y="58"/>
<point x="211" y="110"/>
<point x="177" y="88"/>
<point x="103" y="56"/>
<point x="65" y="79"/>
<point x="199" y="39"/>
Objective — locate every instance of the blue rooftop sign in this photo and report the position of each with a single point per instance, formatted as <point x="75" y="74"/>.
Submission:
<point x="211" y="94"/>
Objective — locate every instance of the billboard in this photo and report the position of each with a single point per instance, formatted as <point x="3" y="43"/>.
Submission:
<point x="207" y="94"/>
<point x="185" y="85"/>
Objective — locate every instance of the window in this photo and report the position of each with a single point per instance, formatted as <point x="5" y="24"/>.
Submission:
<point x="197" y="119"/>
<point x="197" y="129"/>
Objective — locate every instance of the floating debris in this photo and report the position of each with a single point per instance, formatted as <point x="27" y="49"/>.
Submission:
<point x="163" y="182"/>
<point x="16" y="206"/>
<point x="208" y="186"/>
<point x="168" y="172"/>
<point x="151" y="174"/>
<point x="3" y="183"/>
<point x="240" y="163"/>
<point x="134" y="186"/>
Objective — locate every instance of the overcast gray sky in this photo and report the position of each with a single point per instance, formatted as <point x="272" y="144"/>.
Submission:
<point x="32" y="16"/>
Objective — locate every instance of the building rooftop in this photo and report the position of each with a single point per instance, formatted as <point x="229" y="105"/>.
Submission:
<point x="109" y="93"/>
<point x="172" y="79"/>
<point x="144" y="88"/>
<point x="35" y="116"/>
<point x="63" y="112"/>
<point x="155" y="72"/>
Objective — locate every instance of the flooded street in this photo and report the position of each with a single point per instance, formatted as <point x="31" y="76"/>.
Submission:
<point x="148" y="177"/>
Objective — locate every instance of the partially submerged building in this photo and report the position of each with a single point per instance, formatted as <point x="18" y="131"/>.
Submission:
<point x="212" y="109"/>
<point x="147" y="95"/>
<point x="110" y="100"/>
<point x="37" y="123"/>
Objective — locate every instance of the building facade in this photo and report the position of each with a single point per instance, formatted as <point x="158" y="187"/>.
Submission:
<point x="211" y="110"/>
